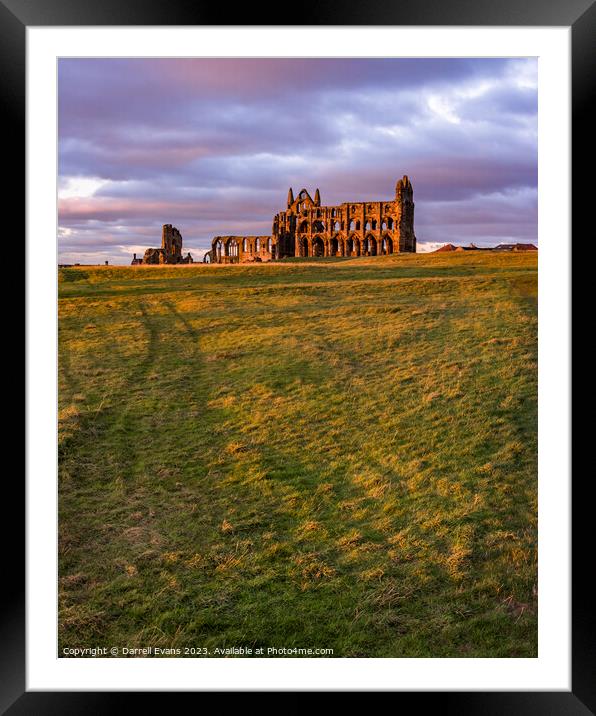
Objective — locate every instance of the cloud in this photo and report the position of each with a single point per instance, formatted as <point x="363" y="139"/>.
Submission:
<point x="211" y="145"/>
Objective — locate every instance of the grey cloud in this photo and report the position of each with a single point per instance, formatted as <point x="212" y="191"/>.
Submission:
<point x="212" y="145"/>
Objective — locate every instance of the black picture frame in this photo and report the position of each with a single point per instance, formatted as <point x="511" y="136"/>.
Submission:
<point x="580" y="15"/>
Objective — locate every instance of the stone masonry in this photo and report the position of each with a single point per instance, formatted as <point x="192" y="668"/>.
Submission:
<point x="305" y="228"/>
<point x="170" y="251"/>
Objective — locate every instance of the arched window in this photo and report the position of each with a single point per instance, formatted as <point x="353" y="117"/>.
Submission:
<point x="367" y="226"/>
<point x="357" y="226"/>
<point x="257" y="244"/>
<point x="269" y="244"/>
<point x="374" y="224"/>
<point x="232" y="248"/>
<point x="244" y="244"/>
<point x="370" y="246"/>
<point x="318" y="247"/>
<point x="390" y="223"/>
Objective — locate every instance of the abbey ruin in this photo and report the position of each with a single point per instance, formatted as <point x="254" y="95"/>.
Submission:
<point x="170" y="251"/>
<point x="305" y="228"/>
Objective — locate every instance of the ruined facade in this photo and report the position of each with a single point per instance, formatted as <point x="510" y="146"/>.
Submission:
<point x="305" y="228"/>
<point x="170" y="251"/>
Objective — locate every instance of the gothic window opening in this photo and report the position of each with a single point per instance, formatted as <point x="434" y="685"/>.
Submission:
<point x="318" y="247"/>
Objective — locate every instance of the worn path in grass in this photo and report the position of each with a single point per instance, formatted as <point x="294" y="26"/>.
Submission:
<point x="326" y="454"/>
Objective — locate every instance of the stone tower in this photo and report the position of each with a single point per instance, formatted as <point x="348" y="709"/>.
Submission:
<point x="171" y="243"/>
<point x="404" y="199"/>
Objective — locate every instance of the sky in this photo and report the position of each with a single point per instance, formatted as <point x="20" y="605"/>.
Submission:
<point x="212" y="146"/>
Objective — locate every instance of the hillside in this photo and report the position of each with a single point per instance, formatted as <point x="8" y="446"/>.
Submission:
<point x="328" y="454"/>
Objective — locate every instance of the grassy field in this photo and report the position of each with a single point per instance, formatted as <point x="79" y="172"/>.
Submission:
<point x="328" y="455"/>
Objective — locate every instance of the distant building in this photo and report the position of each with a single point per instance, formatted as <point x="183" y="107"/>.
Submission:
<point x="473" y="247"/>
<point x="515" y="247"/>
<point x="444" y="248"/>
<point x="170" y="251"/>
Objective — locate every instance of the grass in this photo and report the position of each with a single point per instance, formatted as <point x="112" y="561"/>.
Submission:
<point x="308" y="454"/>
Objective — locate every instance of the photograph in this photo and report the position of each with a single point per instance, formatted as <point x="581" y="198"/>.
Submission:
<point x="297" y="357"/>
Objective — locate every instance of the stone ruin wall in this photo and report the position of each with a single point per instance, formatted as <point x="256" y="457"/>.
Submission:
<point x="170" y="251"/>
<point x="242" y="249"/>
<point x="307" y="229"/>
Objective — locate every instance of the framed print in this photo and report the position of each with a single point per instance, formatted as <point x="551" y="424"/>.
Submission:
<point x="298" y="353"/>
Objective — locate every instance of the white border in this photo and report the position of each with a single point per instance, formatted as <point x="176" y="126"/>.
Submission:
<point x="551" y="670"/>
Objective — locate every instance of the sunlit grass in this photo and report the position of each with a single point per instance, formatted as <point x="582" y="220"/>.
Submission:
<point x="314" y="454"/>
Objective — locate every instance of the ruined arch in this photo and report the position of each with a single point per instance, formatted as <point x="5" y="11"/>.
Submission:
<point x="303" y="246"/>
<point x="333" y="247"/>
<point x="318" y="246"/>
<point x="303" y="228"/>
<point x="232" y="248"/>
<point x="387" y="245"/>
<point x="318" y="226"/>
<point x="219" y="249"/>
<point x="370" y="246"/>
<point x="353" y="246"/>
